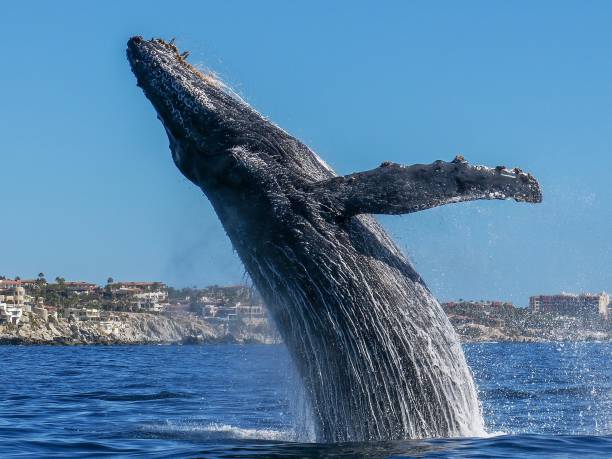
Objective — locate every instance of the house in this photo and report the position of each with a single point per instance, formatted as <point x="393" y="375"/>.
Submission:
<point x="12" y="301"/>
<point x="79" y="287"/>
<point x="138" y="286"/>
<point x="125" y="291"/>
<point x="15" y="296"/>
<point x="33" y="284"/>
<point x="179" y="306"/>
<point x="107" y="326"/>
<point x="218" y="311"/>
<point x="10" y="313"/>
<point x="82" y="314"/>
<point x="9" y="283"/>
<point x="150" y="301"/>
<point x="143" y="296"/>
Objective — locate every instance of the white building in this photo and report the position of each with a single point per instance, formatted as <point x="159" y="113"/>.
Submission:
<point x="83" y="314"/>
<point x="12" y="302"/>
<point x="10" y="313"/>
<point x="108" y="326"/>
<point x="153" y="301"/>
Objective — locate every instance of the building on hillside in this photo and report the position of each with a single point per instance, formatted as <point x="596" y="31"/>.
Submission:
<point x="138" y="286"/>
<point x="9" y="283"/>
<point x="158" y="296"/>
<point x="205" y="299"/>
<point x="15" y="296"/>
<point x="219" y="312"/>
<point x="125" y="291"/>
<point x="10" y="313"/>
<point x="79" y="287"/>
<point x="82" y="314"/>
<point x="139" y="296"/>
<point x="150" y="301"/>
<point x="251" y="312"/>
<point x="179" y="306"/>
<point x="569" y="304"/>
<point x="12" y="301"/>
<point x="227" y="294"/>
<point x="90" y="314"/>
<point x="108" y="326"/>
<point x="33" y="284"/>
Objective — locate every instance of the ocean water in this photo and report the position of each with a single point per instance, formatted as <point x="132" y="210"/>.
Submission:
<point x="539" y="400"/>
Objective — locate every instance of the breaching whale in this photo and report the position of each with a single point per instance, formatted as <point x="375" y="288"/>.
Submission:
<point x="377" y="356"/>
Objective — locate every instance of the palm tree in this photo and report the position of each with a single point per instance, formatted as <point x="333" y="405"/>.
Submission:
<point x="110" y="280"/>
<point x="41" y="279"/>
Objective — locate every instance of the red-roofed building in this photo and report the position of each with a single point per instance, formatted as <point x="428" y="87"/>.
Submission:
<point x="9" y="283"/>
<point x="138" y="286"/>
<point x="32" y="283"/>
<point x="80" y="287"/>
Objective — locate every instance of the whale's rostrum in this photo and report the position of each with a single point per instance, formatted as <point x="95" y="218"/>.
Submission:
<point x="377" y="356"/>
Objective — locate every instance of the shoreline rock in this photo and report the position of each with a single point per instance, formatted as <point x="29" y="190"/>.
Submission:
<point x="190" y="329"/>
<point x="132" y="328"/>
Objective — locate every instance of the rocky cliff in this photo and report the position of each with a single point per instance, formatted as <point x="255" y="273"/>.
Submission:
<point x="129" y="328"/>
<point x="141" y="328"/>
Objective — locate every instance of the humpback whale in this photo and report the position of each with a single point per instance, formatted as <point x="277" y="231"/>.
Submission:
<point x="377" y="356"/>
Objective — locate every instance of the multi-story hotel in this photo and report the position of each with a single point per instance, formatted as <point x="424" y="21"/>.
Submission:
<point x="568" y="304"/>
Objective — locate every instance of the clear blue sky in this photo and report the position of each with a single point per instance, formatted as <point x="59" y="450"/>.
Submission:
<point x="89" y="189"/>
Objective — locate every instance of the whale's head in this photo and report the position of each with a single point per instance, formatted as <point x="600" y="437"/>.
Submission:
<point x="209" y="127"/>
<point x="198" y="114"/>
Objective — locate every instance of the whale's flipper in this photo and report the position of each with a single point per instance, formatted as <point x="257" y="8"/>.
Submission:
<point x="396" y="189"/>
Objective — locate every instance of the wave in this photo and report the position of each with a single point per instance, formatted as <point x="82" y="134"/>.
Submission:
<point x="125" y="397"/>
<point x="218" y="431"/>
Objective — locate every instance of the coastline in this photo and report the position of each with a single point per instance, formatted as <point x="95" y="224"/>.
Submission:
<point x="188" y="328"/>
<point x="132" y="328"/>
<point x="33" y="311"/>
<point x="475" y="333"/>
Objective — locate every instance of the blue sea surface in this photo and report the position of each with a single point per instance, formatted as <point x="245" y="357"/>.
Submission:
<point x="539" y="400"/>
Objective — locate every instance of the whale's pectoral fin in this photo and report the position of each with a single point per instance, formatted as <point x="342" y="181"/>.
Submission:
<point x="396" y="189"/>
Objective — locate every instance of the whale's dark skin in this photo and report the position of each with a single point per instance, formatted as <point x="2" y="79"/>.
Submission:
<point x="378" y="357"/>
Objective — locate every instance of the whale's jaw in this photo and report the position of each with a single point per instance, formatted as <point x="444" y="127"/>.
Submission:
<point x="194" y="108"/>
